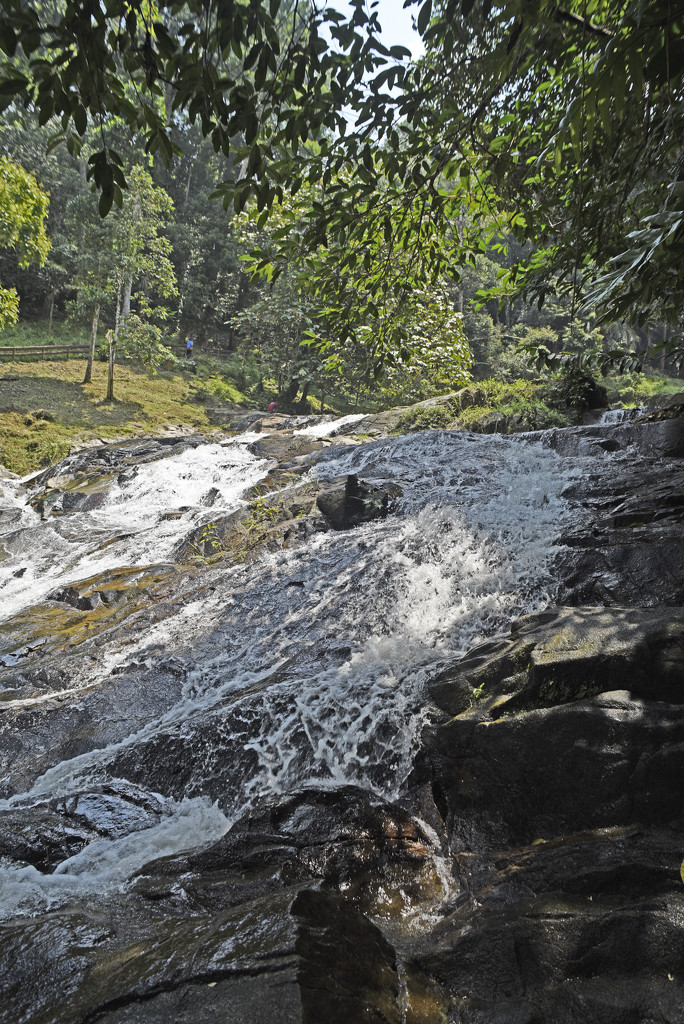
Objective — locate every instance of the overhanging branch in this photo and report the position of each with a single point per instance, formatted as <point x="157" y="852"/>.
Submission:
<point x="583" y="23"/>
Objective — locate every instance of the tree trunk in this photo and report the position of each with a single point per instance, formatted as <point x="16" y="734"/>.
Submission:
<point x="109" y="397"/>
<point x="93" y="338"/>
<point x="112" y="339"/>
<point x="290" y="392"/>
<point x="52" y="309"/>
<point x="187" y="189"/>
<point x="126" y="306"/>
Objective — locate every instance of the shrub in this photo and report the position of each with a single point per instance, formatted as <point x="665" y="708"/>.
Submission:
<point x="215" y="387"/>
<point x="48" y="453"/>
<point x="641" y="388"/>
<point x="577" y="389"/>
<point x="433" y="418"/>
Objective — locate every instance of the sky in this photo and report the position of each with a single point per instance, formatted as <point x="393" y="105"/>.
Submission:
<point x="395" y="22"/>
<point x="396" y="26"/>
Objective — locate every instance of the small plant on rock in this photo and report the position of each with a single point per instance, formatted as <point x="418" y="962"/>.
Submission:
<point x="208" y="546"/>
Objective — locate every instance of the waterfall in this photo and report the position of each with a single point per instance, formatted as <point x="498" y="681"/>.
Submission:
<point x="303" y="669"/>
<point x="611" y="417"/>
<point x="139" y="520"/>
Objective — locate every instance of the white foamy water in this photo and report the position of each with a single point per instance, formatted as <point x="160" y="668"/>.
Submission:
<point x="337" y="426"/>
<point x="108" y="863"/>
<point x="128" y="528"/>
<point x="308" y="667"/>
<point x="611" y="417"/>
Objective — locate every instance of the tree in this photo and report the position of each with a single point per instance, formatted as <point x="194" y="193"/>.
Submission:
<point x="558" y="123"/>
<point x="438" y="358"/>
<point x="274" y="328"/>
<point x="229" y="66"/>
<point x="139" y="252"/>
<point x="213" y="285"/>
<point x="575" y="111"/>
<point x="23" y="208"/>
<point x="92" y="238"/>
<point x="62" y="176"/>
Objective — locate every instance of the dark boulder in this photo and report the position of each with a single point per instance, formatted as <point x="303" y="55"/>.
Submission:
<point x="559" y="771"/>
<point x="246" y="930"/>
<point x="627" y="545"/>
<point x="347" y="502"/>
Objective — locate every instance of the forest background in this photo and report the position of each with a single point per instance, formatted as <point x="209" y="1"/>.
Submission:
<point x="278" y="306"/>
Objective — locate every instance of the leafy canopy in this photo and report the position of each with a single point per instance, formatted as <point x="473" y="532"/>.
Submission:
<point x="23" y="209"/>
<point x="557" y="123"/>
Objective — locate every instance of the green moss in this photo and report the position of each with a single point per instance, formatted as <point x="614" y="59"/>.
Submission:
<point x="526" y="405"/>
<point x="431" y="418"/>
<point x="56" y="625"/>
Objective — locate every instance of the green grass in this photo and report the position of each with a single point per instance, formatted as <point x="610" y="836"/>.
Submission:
<point x="30" y="332"/>
<point x="215" y="390"/>
<point x="44" y="409"/>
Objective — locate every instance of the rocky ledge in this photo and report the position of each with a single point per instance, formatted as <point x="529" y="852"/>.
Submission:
<point x="558" y="769"/>
<point x="534" y="873"/>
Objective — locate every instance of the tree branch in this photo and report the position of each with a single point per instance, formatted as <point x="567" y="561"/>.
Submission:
<point x="583" y="23"/>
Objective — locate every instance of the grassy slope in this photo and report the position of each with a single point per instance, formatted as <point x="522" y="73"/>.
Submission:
<point x="76" y="412"/>
<point x="28" y="332"/>
<point x="44" y="408"/>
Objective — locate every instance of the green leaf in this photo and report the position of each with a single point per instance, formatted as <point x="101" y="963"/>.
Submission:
<point x="8" y="38"/>
<point x="424" y="16"/>
<point x="105" y="203"/>
<point x="80" y="119"/>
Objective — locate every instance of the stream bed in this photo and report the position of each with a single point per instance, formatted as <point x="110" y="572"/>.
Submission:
<point x="178" y="741"/>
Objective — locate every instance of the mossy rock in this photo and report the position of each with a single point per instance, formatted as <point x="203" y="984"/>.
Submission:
<point x="566" y="655"/>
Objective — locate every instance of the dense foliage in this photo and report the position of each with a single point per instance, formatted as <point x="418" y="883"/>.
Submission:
<point x="23" y="207"/>
<point x="533" y="152"/>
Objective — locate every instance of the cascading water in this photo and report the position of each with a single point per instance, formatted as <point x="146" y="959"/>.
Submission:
<point x="128" y="528"/>
<point x="304" y="669"/>
<point x="610" y="417"/>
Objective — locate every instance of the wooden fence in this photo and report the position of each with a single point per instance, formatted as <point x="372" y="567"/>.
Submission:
<point x="14" y="352"/>
<point x="10" y="353"/>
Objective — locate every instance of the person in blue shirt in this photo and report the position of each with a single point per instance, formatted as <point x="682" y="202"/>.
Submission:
<point x="188" y="349"/>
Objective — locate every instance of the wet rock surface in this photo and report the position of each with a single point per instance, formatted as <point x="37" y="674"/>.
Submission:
<point x="530" y="870"/>
<point x="560" y="779"/>
<point x="249" y="928"/>
<point x="348" y="502"/>
<point x="632" y="549"/>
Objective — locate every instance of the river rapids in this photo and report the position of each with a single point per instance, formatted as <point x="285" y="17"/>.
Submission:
<point x="302" y="669"/>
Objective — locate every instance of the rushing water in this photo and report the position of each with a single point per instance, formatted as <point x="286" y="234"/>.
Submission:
<point x="303" y="669"/>
<point x="611" y="417"/>
<point x="128" y="529"/>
